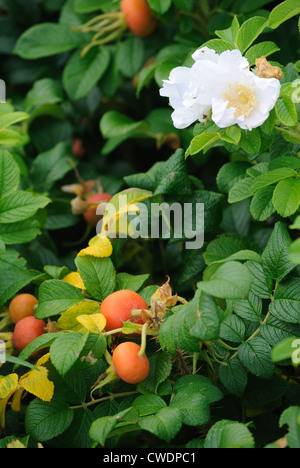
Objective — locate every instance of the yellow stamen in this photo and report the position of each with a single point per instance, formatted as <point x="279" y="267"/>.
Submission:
<point x="242" y="98"/>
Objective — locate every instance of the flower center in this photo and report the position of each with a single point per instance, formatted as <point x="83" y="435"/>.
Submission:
<point x="242" y="98"/>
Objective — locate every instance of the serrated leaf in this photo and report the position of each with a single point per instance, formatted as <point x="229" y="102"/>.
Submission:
<point x="234" y="377"/>
<point x="249" y="32"/>
<point x="65" y="350"/>
<point x="102" y="427"/>
<point x="46" y="420"/>
<point x="286" y="197"/>
<point x="9" y="173"/>
<point x="20" y="205"/>
<point x="256" y="357"/>
<point x="56" y="296"/>
<point x="231" y="281"/>
<point x="98" y="275"/>
<point x="37" y="383"/>
<point x="68" y="319"/>
<point x="99" y="247"/>
<point x="160" y="368"/>
<point x="283" y="12"/>
<point x="165" y="424"/>
<point x="275" y="258"/>
<point x="229" y="434"/>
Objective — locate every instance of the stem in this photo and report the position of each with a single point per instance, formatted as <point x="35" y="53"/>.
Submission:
<point x="100" y="400"/>
<point x="195" y="360"/>
<point x="182" y="300"/>
<point x="144" y="340"/>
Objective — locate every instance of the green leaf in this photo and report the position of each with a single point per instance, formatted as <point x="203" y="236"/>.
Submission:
<point x="271" y="177"/>
<point x="263" y="49"/>
<point x="132" y="282"/>
<point x="291" y="417"/>
<point x="262" y="284"/>
<point x="233" y="329"/>
<point x="44" y="421"/>
<point x="98" y="275"/>
<point x="81" y="74"/>
<point x="21" y="232"/>
<point x="286" y="111"/>
<point x="13" y="275"/>
<point x="87" y="6"/>
<point x="130" y="56"/>
<point x="56" y="296"/>
<point x="249" y="32"/>
<point x="229" y="434"/>
<point x="275" y="258"/>
<point x="66" y="349"/>
<point x="193" y="406"/>
<point x="207" y="326"/>
<point x="286" y="349"/>
<point x="113" y="124"/>
<point x="231" y="281"/>
<point x="275" y="331"/>
<point x="51" y="166"/>
<point x="165" y="424"/>
<point x="249" y="309"/>
<point x="234" y="377"/>
<point x="230" y="174"/>
<point x="102" y="427"/>
<point x="160" y="6"/>
<point x="148" y="404"/>
<point x="199" y="384"/>
<point x="9" y="173"/>
<point x="38" y="343"/>
<point x="261" y="206"/>
<point x="160" y="368"/>
<point x="256" y="357"/>
<point x="286" y="198"/>
<point x="294" y="252"/>
<point x="44" y="91"/>
<point x="241" y="190"/>
<point x="284" y="12"/>
<point x="10" y="118"/>
<point x="45" y="39"/>
<point x="286" y="305"/>
<point x="251" y="141"/>
<point x="20" y="205"/>
<point x="231" y="33"/>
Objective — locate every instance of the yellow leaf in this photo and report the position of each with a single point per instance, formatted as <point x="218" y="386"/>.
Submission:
<point x="37" y="383"/>
<point x="100" y="247"/>
<point x="67" y="320"/>
<point x="74" y="279"/>
<point x="93" y="323"/>
<point x="15" y="444"/>
<point x="43" y="359"/>
<point x="16" y="399"/>
<point x="3" y="404"/>
<point x="8" y="385"/>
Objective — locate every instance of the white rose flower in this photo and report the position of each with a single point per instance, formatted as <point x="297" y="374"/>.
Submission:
<point x="223" y="85"/>
<point x="183" y="98"/>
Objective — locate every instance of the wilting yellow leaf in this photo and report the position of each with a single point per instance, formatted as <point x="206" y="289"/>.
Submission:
<point x="8" y="385"/>
<point x="37" y="383"/>
<point x="67" y="320"/>
<point x="43" y="359"/>
<point x="3" y="404"/>
<point x="93" y="323"/>
<point x="74" y="279"/>
<point x="16" y="399"/>
<point x="100" y="247"/>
